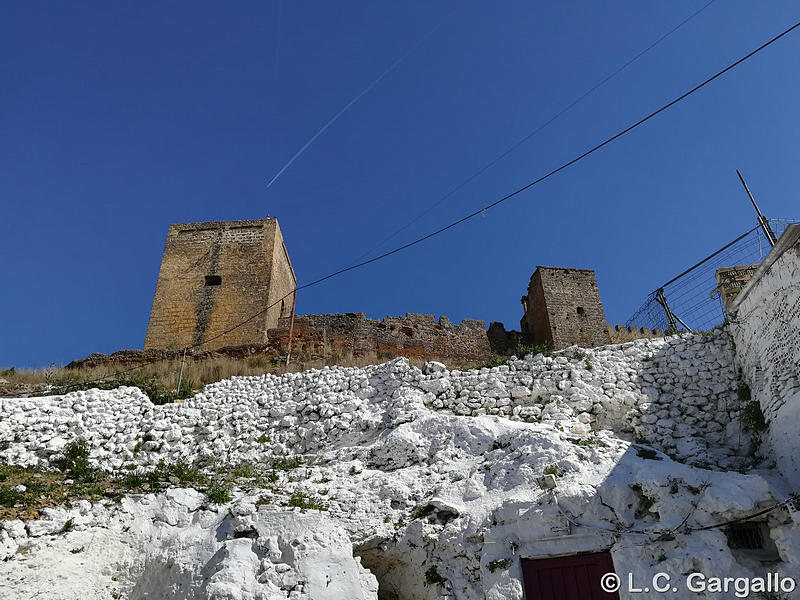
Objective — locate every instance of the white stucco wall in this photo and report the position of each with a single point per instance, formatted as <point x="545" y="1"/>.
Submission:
<point x="765" y="325"/>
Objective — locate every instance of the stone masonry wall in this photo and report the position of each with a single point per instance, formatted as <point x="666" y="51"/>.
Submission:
<point x="620" y="334"/>
<point x="354" y="336"/>
<point x="677" y="394"/>
<point x="765" y="324"/>
<point x="212" y="277"/>
<point x="563" y="307"/>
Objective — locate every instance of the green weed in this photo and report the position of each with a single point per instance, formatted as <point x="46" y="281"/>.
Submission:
<point x="500" y="564"/>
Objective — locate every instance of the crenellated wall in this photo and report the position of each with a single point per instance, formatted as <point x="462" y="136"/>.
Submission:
<point x="620" y="334"/>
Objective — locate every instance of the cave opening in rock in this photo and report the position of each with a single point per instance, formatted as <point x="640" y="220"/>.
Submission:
<point x="398" y="575"/>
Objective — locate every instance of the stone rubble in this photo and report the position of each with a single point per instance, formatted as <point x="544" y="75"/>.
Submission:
<point x="439" y="481"/>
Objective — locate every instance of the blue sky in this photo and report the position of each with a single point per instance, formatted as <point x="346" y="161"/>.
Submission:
<point x="119" y="119"/>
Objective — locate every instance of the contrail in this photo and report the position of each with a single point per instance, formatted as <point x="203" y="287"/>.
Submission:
<point x="361" y="94"/>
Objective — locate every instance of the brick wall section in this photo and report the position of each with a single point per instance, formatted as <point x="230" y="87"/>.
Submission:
<point x="563" y="307"/>
<point x="253" y="268"/>
<point x="354" y="336"/>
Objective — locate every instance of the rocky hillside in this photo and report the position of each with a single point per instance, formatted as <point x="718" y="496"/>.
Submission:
<point x="397" y="483"/>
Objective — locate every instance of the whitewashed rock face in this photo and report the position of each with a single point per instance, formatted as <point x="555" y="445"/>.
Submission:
<point x="175" y="545"/>
<point x="432" y="477"/>
<point x="765" y="320"/>
<point x="677" y="394"/>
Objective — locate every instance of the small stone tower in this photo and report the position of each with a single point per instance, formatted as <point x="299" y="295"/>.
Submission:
<point x="214" y="276"/>
<point x="562" y="308"/>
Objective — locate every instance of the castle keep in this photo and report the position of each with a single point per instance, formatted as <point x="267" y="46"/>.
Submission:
<point x="563" y="307"/>
<point x="214" y="276"/>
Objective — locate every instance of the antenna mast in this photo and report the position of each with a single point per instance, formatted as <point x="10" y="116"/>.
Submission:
<point x="761" y="218"/>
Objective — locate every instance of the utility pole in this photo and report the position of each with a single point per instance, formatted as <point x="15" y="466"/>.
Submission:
<point x="671" y="316"/>
<point x="761" y="218"/>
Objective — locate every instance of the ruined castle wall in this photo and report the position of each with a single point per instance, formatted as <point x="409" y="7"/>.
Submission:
<point x="214" y="276"/>
<point x="354" y="336"/>
<point x="764" y="320"/>
<point x="535" y="322"/>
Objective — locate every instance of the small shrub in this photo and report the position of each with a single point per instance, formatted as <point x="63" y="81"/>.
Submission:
<point x="10" y="497"/>
<point x="553" y="470"/>
<point x="68" y="526"/>
<point x="75" y="462"/>
<point x="218" y="493"/>
<point x="77" y="550"/>
<point x="134" y="480"/>
<point x="496" y="360"/>
<point x="303" y="501"/>
<point x="753" y="417"/>
<point x="91" y="490"/>
<point x="588" y="365"/>
<point x="546" y="349"/>
<point x="743" y="391"/>
<point x="287" y="464"/>
<point x="590" y="442"/>
<point x="500" y="564"/>
<point x="432" y="577"/>
<point x="184" y="472"/>
<point x="245" y="470"/>
<point x="662" y="557"/>
<point x="35" y="488"/>
<point x="423" y="511"/>
<point x="263" y="439"/>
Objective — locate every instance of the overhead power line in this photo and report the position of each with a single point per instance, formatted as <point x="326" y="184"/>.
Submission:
<point x="541" y="127"/>
<point x="500" y="200"/>
<point x="567" y="164"/>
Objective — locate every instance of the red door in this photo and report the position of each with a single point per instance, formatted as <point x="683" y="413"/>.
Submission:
<point x="567" y="577"/>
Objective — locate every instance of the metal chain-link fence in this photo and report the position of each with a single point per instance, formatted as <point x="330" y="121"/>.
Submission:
<point x="694" y="297"/>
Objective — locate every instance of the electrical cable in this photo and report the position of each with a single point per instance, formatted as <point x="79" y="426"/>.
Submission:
<point x="516" y="145"/>
<point x="557" y="169"/>
<point x="508" y="196"/>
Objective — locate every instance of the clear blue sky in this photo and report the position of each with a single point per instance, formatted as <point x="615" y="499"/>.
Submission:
<point x="117" y="119"/>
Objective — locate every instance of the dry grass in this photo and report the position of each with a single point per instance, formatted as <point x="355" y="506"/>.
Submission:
<point x="162" y="376"/>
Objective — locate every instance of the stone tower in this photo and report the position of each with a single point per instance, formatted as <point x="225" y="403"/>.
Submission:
<point x="563" y="307"/>
<point x="214" y="276"/>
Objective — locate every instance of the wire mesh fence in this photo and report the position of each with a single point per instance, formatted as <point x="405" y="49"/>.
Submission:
<point x="694" y="297"/>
